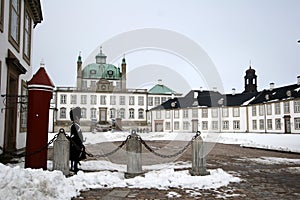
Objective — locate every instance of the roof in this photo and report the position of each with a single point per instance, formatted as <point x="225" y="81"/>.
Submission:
<point x="276" y="94"/>
<point x="97" y="71"/>
<point x="161" y="89"/>
<point x="41" y="78"/>
<point x="196" y="98"/>
<point x="36" y="10"/>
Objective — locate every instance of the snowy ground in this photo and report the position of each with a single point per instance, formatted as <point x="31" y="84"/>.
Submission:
<point x="19" y="183"/>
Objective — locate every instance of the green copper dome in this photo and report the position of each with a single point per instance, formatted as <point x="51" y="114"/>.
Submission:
<point x="97" y="71"/>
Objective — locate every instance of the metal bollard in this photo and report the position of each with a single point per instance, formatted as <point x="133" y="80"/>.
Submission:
<point x="61" y="153"/>
<point x="134" y="159"/>
<point x="198" y="157"/>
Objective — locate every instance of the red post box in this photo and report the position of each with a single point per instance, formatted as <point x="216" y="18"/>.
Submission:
<point x="40" y="89"/>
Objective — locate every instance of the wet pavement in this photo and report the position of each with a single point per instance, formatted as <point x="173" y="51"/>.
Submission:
<point x="259" y="180"/>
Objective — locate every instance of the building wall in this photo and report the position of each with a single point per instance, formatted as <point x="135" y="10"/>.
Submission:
<point x="18" y="53"/>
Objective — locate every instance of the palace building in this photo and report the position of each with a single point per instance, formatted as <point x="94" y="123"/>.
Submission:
<point x="104" y="98"/>
<point x="273" y="110"/>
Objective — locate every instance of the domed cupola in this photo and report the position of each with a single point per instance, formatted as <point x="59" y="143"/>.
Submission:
<point x="250" y="80"/>
<point x="101" y="57"/>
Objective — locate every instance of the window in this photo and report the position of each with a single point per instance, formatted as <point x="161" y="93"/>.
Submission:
<point x="93" y="85"/>
<point x="215" y="125"/>
<point x="176" y="125"/>
<point x="236" y="124"/>
<point x="167" y="114"/>
<point x="84" y="84"/>
<point x="83" y="113"/>
<point x="261" y="124"/>
<point x="254" y="111"/>
<point x="93" y="113"/>
<point x="254" y="124"/>
<point x="14" y="23"/>
<point x="156" y="101"/>
<point x="277" y="108"/>
<point x="297" y="106"/>
<point x="297" y="123"/>
<point x="185" y="113"/>
<point x="224" y="112"/>
<point x="103" y="100"/>
<point x="112" y="100"/>
<point x="63" y="99"/>
<point x="122" y="113"/>
<point x="225" y="125"/>
<point x="131" y="100"/>
<point x="286" y="106"/>
<point x="168" y="126"/>
<point x="73" y="99"/>
<point x="158" y="114"/>
<point x="27" y="36"/>
<point x="163" y="99"/>
<point x="122" y="100"/>
<point x="186" y="125"/>
<point x="214" y="112"/>
<point x="269" y="109"/>
<point x="1" y="15"/>
<point x="112" y="113"/>
<point x="93" y="99"/>
<point x="140" y="101"/>
<point x="62" y="113"/>
<point x="204" y="113"/>
<point x="150" y="101"/>
<point x="278" y="124"/>
<point x="269" y="124"/>
<point x="195" y="113"/>
<point x="204" y="125"/>
<point x="131" y="113"/>
<point x="236" y="112"/>
<point x="261" y="110"/>
<point x="176" y="114"/>
<point x="83" y="99"/>
<point x="23" y="107"/>
<point x="141" y="113"/>
<point x="0" y="71"/>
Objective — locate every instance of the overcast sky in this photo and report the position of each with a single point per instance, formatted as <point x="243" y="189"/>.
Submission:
<point x="231" y="32"/>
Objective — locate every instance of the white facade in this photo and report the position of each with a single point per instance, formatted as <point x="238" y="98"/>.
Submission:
<point x="276" y="116"/>
<point x="17" y="19"/>
<point x="130" y="106"/>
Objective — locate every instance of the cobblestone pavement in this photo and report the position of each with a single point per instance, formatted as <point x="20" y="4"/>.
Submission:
<point x="259" y="181"/>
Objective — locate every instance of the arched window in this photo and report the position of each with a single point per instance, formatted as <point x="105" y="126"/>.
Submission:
<point x="62" y="113"/>
<point x="131" y="113"/>
<point x="112" y="113"/>
<point x="122" y="113"/>
<point x="141" y="113"/>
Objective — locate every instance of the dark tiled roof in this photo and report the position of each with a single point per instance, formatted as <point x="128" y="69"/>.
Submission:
<point x="215" y="99"/>
<point x="281" y="93"/>
<point x="206" y="99"/>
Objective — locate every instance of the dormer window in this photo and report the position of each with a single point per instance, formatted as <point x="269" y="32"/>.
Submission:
<point x="110" y="72"/>
<point x="288" y="93"/>
<point x="267" y="97"/>
<point x="92" y="71"/>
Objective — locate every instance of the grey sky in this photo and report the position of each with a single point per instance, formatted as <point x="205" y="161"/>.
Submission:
<point x="231" y="32"/>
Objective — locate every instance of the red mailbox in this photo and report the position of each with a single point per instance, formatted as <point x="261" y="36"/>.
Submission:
<point x="40" y="89"/>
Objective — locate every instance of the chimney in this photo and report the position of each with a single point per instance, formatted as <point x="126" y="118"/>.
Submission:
<point x="298" y="80"/>
<point x="215" y="89"/>
<point x="271" y="86"/>
<point x="195" y="94"/>
<point x="201" y="89"/>
<point x="233" y="91"/>
<point x="159" y="82"/>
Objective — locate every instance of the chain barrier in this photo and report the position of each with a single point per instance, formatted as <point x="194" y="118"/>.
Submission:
<point x="170" y="155"/>
<point x="113" y="151"/>
<point x="25" y="154"/>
